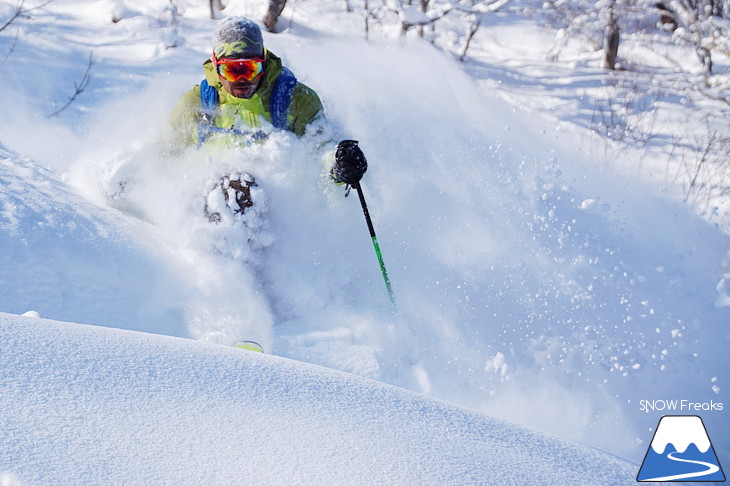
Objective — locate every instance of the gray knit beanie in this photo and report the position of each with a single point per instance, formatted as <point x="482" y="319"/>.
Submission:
<point x="238" y="37"/>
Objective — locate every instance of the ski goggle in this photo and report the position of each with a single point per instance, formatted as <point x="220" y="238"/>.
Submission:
<point x="238" y="69"/>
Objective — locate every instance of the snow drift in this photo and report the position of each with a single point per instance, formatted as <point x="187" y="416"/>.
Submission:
<point x="122" y="407"/>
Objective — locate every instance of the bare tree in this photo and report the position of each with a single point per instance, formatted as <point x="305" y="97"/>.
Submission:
<point x="170" y="24"/>
<point x="476" y="15"/>
<point x="611" y="38"/>
<point x="704" y="26"/>
<point x="411" y="17"/>
<point x="273" y="13"/>
<point x="215" y="7"/>
<point x="574" y="19"/>
<point x="473" y="28"/>
<point x="424" y="15"/>
<point x="704" y="167"/>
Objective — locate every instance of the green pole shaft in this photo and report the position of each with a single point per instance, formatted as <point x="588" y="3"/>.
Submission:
<point x="378" y="253"/>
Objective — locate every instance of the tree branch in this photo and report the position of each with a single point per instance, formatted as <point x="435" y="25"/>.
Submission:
<point x="79" y="87"/>
<point x="21" y="12"/>
<point x="12" y="46"/>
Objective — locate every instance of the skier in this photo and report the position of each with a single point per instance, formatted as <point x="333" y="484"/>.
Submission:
<point x="247" y="88"/>
<point x="246" y="95"/>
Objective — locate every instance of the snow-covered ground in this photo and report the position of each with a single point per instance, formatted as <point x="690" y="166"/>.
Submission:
<point x="537" y="279"/>
<point x="106" y="406"/>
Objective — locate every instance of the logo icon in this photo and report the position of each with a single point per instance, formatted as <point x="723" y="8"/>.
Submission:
<point x="680" y="451"/>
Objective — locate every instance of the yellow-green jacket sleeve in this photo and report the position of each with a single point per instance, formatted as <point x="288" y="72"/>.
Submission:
<point x="183" y="122"/>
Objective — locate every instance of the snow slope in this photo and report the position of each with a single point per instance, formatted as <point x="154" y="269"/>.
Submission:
<point x="534" y="283"/>
<point x="77" y="256"/>
<point x="121" y="407"/>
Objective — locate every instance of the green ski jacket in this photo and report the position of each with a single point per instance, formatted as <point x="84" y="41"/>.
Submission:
<point x="239" y="114"/>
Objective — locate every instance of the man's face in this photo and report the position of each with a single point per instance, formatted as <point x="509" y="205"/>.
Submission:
<point x="241" y="88"/>
<point x="240" y="77"/>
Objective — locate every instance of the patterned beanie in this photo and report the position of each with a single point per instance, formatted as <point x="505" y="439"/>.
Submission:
<point x="238" y="37"/>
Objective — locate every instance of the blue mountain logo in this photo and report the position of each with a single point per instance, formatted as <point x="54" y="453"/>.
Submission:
<point x="680" y="451"/>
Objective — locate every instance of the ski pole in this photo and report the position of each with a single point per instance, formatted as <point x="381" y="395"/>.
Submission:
<point x="378" y="253"/>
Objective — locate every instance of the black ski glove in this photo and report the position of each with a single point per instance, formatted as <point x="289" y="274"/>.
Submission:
<point x="350" y="163"/>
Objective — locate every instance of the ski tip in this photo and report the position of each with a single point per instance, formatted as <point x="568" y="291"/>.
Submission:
<point x="249" y="345"/>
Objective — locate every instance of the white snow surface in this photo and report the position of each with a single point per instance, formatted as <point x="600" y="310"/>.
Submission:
<point x="123" y="407"/>
<point x="540" y="284"/>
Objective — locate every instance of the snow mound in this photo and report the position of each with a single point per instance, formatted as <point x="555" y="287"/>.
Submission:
<point x="65" y="257"/>
<point x="91" y="405"/>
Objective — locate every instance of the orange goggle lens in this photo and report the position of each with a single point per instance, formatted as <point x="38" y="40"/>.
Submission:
<point x="239" y="69"/>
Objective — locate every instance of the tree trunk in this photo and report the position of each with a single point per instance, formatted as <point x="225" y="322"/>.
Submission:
<point x="216" y="6"/>
<point x="611" y="41"/>
<point x="272" y="15"/>
<point x="705" y="56"/>
<point x="472" y="31"/>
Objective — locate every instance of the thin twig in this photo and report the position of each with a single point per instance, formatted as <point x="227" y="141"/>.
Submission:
<point x="20" y="12"/>
<point x="79" y="87"/>
<point x="12" y="46"/>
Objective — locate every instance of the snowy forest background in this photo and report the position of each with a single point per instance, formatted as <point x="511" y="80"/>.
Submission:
<point x="656" y="54"/>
